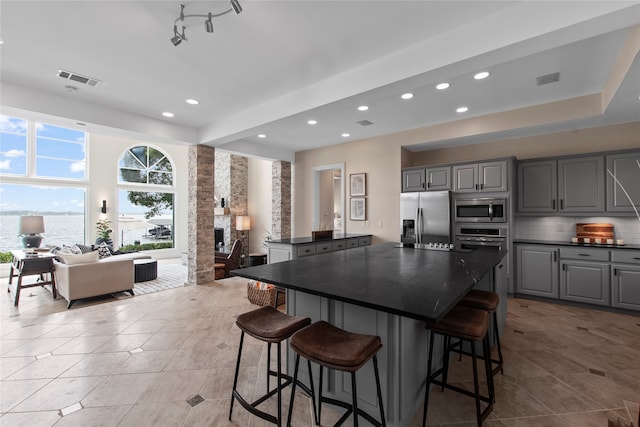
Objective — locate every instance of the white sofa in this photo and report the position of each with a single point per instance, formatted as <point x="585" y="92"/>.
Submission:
<point x="105" y="276"/>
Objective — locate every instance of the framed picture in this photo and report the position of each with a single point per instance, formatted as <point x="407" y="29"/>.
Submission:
<point x="358" y="183"/>
<point x="358" y="209"/>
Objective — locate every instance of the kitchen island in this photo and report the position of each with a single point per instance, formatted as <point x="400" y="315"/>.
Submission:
<point x="386" y="291"/>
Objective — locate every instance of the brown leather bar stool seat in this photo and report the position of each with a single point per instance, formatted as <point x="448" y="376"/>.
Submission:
<point x="466" y="324"/>
<point x="271" y="326"/>
<point x="335" y="348"/>
<point x="487" y="301"/>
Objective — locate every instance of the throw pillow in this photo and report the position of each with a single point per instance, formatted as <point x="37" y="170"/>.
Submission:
<point x="85" y="249"/>
<point x="104" y="250"/>
<point x="71" y="259"/>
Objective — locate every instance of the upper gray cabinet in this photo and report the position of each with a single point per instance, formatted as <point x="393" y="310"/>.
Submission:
<point x="565" y="185"/>
<point x="480" y="177"/>
<point x="429" y="179"/>
<point x="538" y="186"/>
<point x="581" y="184"/>
<point x="438" y="178"/>
<point x="625" y="188"/>
<point x="413" y="180"/>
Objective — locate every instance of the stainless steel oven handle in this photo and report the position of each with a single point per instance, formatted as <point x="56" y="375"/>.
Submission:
<point x="490" y="210"/>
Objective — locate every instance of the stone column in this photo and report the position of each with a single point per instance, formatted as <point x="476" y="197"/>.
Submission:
<point x="200" y="217"/>
<point x="281" y="199"/>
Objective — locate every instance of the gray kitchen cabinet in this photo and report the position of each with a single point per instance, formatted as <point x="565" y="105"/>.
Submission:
<point x="584" y="275"/>
<point x="581" y="184"/>
<point x="288" y="249"/>
<point x="625" y="279"/>
<point x="626" y="185"/>
<point x="438" y="178"/>
<point x="480" y="177"/>
<point x="565" y="186"/>
<point x="426" y="179"/>
<point x="537" y="186"/>
<point x="413" y="180"/>
<point x="537" y="270"/>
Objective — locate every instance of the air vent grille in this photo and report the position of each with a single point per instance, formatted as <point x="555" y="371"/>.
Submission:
<point x="365" y="123"/>
<point x="547" y="78"/>
<point x="89" y="81"/>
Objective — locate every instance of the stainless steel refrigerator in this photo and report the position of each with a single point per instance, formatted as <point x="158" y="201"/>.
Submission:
<point x="425" y="217"/>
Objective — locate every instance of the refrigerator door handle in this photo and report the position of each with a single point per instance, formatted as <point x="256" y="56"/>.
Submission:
<point x="420" y="222"/>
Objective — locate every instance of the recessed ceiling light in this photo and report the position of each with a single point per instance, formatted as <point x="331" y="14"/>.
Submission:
<point x="262" y="135"/>
<point x="462" y="109"/>
<point x="443" y="86"/>
<point x="192" y="101"/>
<point x="167" y="114"/>
<point x="363" y="108"/>
<point x="346" y="135"/>
<point x="481" y="75"/>
<point x="312" y="122"/>
<point x="407" y="96"/>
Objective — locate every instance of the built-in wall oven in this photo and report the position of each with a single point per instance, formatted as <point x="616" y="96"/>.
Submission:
<point x="472" y="236"/>
<point x="480" y="210"/>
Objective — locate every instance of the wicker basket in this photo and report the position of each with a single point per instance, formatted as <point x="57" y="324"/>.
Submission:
<point x="265" y="296"/>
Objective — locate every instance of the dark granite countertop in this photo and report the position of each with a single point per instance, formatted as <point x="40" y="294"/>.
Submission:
<point x="421" y="284"/>
<point x="303" y="240"/>
<point x="578" y="245"/>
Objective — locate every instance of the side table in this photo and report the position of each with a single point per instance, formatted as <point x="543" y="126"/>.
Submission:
<point x="24" y="264"/>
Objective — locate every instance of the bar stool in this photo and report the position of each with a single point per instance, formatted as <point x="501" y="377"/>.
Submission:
<point x="466" y="324"/>
<point x="335" y="348"/>
<point x="271" y="326"/>
<point x="487" y="301"/>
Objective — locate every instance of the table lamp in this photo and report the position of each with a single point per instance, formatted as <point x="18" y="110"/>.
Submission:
<point x="30" y="227"/>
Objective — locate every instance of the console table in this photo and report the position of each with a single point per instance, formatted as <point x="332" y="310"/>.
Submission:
<point x="24" y="264"/>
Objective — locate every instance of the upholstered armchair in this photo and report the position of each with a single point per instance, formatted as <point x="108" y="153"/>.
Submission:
<point x="230" y="260"/>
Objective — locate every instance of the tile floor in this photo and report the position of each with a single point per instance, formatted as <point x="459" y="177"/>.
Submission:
<point x="167" y="359"/>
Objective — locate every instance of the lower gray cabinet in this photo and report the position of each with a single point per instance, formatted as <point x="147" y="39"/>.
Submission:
<point x="584" y="275"/>
<point x="625" y="279"/>
<point x="585" y="282"/>
<point x="537" y="270"/>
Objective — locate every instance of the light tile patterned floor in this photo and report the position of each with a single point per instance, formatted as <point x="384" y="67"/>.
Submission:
<point x="167" y="358"/>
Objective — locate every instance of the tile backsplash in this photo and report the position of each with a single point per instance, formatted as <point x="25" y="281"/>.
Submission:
<point x="564" y="228"/>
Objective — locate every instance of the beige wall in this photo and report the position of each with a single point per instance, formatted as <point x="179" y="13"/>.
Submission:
<point x="618" y="137"/>
<point x="379" y="160"/>
<point x="259" y="203"/>
<point x="103" y="156"/>
<point x="382" y="159"/>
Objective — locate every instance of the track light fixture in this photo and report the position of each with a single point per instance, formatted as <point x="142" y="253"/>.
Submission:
<point x="179" y="37"/>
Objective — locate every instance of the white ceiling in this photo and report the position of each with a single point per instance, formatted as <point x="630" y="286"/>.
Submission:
<point x="279" y="63"/>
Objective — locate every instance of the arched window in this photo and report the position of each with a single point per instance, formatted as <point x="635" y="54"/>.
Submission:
<point x="146" y="213"/>
<point x="145" y="165"/>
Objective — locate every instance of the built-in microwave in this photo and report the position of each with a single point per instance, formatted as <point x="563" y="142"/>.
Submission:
<point x="481" y="210"/>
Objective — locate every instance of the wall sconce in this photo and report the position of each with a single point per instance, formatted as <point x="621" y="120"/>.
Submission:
<point x="103" y="209"/>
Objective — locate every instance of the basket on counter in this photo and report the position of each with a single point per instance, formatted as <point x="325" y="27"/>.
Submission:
<point x="261" y="293"/>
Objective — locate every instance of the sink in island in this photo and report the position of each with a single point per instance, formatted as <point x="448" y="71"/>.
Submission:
<point x="387" y="291"/>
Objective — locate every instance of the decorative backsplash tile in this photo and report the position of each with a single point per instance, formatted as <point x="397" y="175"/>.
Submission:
<point x="564" y="228"/>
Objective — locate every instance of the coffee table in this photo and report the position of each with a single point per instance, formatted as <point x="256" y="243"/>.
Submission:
<point x="145" y="269"/>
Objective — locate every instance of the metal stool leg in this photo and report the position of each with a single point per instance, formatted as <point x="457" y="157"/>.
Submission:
<point x="293" y="390"/>
<point x="426" y="392"/>
<point x="379" y="389"/>
<point x="235" y="377"/>
<point x="355" y="399"/>
<point x="476" y="387"/>
<point x="497" y="332"/>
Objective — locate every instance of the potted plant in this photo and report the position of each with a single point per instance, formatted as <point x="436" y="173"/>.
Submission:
<point x="103" y="232"/>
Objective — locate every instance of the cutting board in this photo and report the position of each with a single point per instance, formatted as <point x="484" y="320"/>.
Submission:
<point x="594" y="230"/>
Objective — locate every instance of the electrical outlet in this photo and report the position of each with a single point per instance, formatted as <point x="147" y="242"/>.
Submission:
<point x="379" y="224"/>
<point x="559" y="226"/>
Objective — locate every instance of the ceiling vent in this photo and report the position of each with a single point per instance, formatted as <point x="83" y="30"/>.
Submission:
<point x="547" y="78"/>
<point x="89" y="81"/>
<point x="365" y="123"/>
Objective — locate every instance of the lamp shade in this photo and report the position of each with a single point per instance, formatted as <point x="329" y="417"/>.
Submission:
<point x="31" y="224"/>
<point x="243" y="223"/>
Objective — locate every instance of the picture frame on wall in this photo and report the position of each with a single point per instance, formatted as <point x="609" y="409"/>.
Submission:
<point x="358" y="184"/>
<point x="358" y="209"/>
